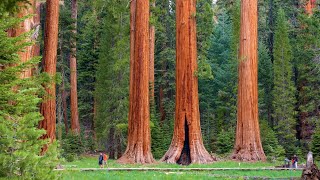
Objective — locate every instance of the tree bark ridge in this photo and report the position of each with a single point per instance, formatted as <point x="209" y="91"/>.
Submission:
<point x="248" y="145"/>
<point x="187" y="145"/>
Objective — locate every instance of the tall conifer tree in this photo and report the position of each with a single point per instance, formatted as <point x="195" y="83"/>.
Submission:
<point x="284" y="91"/>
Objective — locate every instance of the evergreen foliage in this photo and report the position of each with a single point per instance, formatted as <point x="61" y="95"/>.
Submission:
<point x="225" y="141"/>
<point x="315" y="145"/>
<point x="162" y="114"/>
<point x="72" y="146"/>
<point x="20" y="145"/>
<point x="270" y="143"/>
<point x="218" y="96"/>
<point x="284" y="91"/>
<point x="265" y="79"/>
<point x="306" y="61"/>
<point x="112" y="78"/>
<point x="89" y="33"/>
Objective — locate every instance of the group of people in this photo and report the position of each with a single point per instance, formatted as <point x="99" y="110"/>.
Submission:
<point x="103" y="160"/>
<point x="294" y="162"/>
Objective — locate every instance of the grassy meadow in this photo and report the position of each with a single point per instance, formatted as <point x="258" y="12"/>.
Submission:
<point x="91" y="162"/>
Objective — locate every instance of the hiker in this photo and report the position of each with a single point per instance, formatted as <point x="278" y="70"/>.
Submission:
<point x="101" y="160"/>
<point x="295" y="161"/>
<point x="105" y="158"/>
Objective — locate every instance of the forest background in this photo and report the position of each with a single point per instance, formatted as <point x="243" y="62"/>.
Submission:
<point x="289" y="75"/>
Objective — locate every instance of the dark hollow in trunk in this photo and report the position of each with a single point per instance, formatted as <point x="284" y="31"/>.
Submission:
<point x="185" y="158"/>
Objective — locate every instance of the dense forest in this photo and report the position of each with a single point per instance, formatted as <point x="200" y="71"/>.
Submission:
<point x="180" y="81"/>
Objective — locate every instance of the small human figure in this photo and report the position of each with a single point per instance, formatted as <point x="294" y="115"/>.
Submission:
<point x="286" y="163"/>
<point x="295" y="161"/>
<point x="100" y="160"/>
<point x="105" y="158"/>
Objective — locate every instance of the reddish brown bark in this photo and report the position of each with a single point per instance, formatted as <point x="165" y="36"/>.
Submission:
<point x="48" y="107"/>
<point x="24" y="27"/>
<point x="36" y="26"/>
<point x="151" y="60"/>
<point x="139" y="137"/>
<point x="311" y="4"/>
<point x="187" y="145"/>
<point x="248" y="145"/>
<point x="75" y="125"/>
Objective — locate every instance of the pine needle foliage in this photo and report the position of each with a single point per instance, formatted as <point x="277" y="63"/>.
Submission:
<point x="284" y="90"/>
<point x="20" y="145"/>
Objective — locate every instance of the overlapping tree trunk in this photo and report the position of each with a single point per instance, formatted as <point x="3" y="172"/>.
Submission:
<point x="248" y="145"/>
<point x="75" y="125"/>
<point x="187" y="145"/>
<point x="24" y="27"/>
<point x="48" y="107"/>
<point x="139" y="137"/>
<point x="311" y="4"/>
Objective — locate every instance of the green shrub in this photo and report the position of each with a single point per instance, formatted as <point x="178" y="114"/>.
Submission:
<point x="225" y="141"/>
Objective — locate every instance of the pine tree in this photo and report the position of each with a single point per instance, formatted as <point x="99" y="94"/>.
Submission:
<point x="217" y="100"/>
<point x="283" y="92"/>
<point x="265" y="79"/>
<point x="315" y="145"/>
<point x="19" y="111"/>
<point x="307" y="73"/>
<point x="112" y="79"/>
<point x="89" y="38"/>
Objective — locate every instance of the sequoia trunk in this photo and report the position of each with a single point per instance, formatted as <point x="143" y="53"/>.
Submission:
<point x="311" y="4"/>
<point x="75" y="125"/>
<point x="48" y="107"/>
<point x="139" y="137"/>
<point x="248" y="145"/>
<point x="186" y="146"/>
<point x="24" y="27"/>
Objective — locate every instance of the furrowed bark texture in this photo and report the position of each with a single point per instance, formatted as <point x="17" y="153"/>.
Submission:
<point x="36" y="20"/>
<point x="151" y="60"/>
<point x="186" y="145"/>
<point x="248" y="145"/>
<point x="48" y="107"/>
<point x="139" y="136"/>
<point x="24" y="27"/>
<point x="75" y="125"/>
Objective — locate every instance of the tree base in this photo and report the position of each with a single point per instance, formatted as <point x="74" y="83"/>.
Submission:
<point x="136" y="157"/>
<point x="248" y="155"/>
<point x="174" y="156"/>
<point x="183" y="153"/>
<point x="311" y="173"/>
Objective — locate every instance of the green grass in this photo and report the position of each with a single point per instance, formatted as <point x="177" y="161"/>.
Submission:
<point x="92" y="162"/>
<point x="135" y="175"/>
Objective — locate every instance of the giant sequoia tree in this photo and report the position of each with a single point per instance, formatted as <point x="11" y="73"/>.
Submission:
<point x="48" y="107"/>
<point x="75" y="125"/>
<point x="139" y="137"/>
<point x="248" y="144"/>
<point x="186" y="146"/>
<point x="24" y="27"/>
